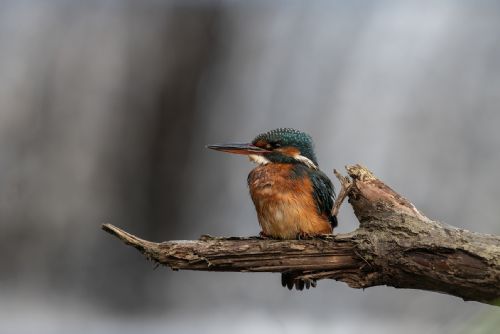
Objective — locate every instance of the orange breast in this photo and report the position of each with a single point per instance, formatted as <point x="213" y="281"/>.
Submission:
<point x="285" y="204"/>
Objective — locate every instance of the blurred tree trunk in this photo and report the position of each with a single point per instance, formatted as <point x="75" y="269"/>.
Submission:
<point x="96" y="127"/>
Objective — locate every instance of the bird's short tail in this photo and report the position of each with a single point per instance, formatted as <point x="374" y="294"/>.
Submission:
<point x="291" y="281"/>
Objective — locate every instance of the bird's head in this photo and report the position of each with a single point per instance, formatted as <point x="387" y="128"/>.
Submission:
<point x="283" y="145"/>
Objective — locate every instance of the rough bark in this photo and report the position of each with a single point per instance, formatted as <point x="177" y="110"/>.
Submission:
<point x="395" y="245"/>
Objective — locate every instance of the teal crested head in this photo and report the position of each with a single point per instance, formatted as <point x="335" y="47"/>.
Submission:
<point x="282" y="145"/>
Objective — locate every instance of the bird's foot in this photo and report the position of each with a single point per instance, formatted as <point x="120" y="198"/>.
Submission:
<point x="304" y="236"/>
<point x="262" y="235"/>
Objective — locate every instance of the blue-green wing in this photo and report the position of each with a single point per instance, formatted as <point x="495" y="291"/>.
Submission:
<point x="324" y="194"/>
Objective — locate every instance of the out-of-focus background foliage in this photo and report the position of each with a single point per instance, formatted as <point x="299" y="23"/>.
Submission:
<point x="105" y="110"/>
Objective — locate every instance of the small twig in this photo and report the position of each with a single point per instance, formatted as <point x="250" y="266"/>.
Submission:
<point x="345" y="187"/>
<point x="362" y="258"/>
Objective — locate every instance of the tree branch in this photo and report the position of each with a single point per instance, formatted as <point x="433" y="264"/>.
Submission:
<point x="395" y="245"/>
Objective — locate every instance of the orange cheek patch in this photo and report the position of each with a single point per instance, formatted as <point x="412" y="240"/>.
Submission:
<point x="290" y="151"/>
<point x="261" y="143"/>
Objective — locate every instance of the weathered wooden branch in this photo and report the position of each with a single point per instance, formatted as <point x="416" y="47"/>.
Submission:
<point x="395" y="245"/>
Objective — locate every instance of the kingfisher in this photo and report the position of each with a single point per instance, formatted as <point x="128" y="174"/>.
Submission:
<point x="292" y="196"/>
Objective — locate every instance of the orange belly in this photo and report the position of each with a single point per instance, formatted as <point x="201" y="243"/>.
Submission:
<point x="285" y="205"/>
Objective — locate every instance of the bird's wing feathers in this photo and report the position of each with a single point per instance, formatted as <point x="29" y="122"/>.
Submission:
<point x="324" y="194"/>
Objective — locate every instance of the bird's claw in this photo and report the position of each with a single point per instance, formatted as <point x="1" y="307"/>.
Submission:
<point x="304" y="236"/>
<point x="262" y="235"/>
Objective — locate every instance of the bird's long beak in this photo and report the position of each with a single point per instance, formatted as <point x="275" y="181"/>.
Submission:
<point x="245" y="149"/>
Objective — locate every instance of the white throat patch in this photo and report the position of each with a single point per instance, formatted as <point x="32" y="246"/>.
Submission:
<point x="258" y="159"/>
<point x="308" y="162"/>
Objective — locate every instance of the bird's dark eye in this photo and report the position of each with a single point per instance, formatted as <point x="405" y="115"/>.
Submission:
<point x="272" y="145"/>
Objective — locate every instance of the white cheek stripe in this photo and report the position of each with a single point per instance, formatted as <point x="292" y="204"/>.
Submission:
<point x="306" y="161"/>
<point x="258" y="159"/>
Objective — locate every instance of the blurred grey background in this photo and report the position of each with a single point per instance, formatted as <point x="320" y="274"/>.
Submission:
<point x="105" y="110"/>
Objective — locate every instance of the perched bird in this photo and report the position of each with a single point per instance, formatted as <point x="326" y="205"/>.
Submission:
<point x="292" y="197"/>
